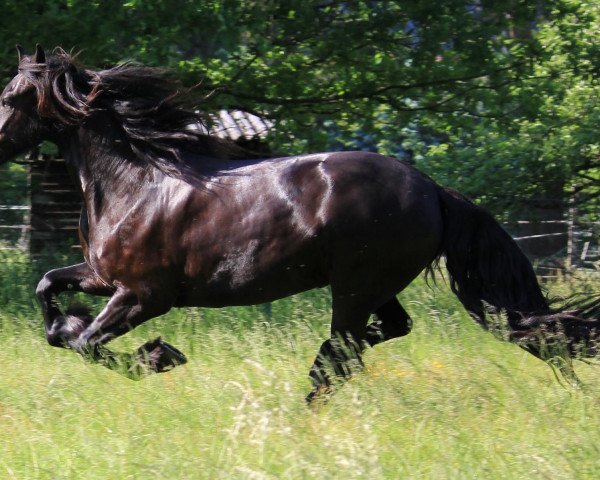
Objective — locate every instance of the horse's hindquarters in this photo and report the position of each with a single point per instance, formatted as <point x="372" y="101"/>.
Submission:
<point x="386" y="227"/>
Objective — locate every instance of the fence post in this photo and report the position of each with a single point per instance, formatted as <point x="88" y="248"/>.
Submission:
<point x="572" y="214"/>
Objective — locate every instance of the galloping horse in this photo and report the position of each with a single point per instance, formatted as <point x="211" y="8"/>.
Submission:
<point x="173" y="217"/>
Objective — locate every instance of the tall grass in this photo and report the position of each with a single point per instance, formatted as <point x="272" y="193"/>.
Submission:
<point x="448" y="401"/>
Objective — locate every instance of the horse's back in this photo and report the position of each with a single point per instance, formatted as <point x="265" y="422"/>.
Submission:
<point x="372" y="186"/>
<point x="350" y="194"/>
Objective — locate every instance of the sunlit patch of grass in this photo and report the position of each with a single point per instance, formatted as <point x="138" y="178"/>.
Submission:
<point x="447" y="401"/>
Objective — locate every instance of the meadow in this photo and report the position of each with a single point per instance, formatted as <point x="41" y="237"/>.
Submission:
<point x="449" y="401"/>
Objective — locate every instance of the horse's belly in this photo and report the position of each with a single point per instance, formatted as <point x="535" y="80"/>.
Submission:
<point x="254" y="271"/>
<point x="232" y="289"/>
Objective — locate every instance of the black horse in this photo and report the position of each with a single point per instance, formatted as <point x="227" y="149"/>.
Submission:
<point x="173" y="217"/>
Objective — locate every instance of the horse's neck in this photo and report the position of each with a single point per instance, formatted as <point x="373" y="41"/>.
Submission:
<point x="100" y="166"/>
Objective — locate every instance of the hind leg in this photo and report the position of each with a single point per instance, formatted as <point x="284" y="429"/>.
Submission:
<point x="392" y="322"/>
<point x="341" y="354"/>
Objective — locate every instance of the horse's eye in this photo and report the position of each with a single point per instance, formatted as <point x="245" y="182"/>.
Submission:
<point x="8" y="101"/>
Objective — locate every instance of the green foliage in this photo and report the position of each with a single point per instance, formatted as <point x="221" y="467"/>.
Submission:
<point x="295" y="60"/>
<point x="13" y="184"/>
<point x="536" y="146"/>
<point x="495" y="98"/>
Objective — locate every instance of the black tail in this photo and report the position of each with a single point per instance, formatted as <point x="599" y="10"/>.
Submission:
<point x="488" y="271"/>
<point x="486" y="267"/>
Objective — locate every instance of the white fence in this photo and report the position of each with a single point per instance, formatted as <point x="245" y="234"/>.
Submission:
<point x="14" y="227"/>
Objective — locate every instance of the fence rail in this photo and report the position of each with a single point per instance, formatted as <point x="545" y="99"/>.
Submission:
<point x="543" y="235"/>
<point x="15" y="207"/>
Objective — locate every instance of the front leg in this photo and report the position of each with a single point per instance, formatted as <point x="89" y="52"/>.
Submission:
<point x="125" y="311"/>
<point x="67" y="330"/>
<point x="61" y="328"/>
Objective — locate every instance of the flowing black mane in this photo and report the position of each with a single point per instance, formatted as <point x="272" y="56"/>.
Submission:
<point x="154" y="110"/>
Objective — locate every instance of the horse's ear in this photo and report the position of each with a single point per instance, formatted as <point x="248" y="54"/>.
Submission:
<point x="40" y="55"/>
<point x="20" y="52"/>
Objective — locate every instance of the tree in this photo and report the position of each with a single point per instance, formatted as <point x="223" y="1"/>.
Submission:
<point x="299" y="62"/>
<point x="539" y="146"/>
<point x="465" y="88"/>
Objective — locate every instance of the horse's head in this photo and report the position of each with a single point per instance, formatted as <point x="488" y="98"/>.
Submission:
<point x="21" y="127"/>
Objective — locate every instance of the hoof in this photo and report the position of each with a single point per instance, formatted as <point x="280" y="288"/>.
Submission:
<point x="67" y="328"/>
<point x="159" y="356"/>
<point x="319" y="395"/>
<point x="155" y="356"/>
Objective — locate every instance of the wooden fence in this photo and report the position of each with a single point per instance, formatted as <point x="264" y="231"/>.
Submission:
<point x="55" y="205"/>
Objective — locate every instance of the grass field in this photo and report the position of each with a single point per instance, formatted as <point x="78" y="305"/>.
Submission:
<point x="448" y="401"/>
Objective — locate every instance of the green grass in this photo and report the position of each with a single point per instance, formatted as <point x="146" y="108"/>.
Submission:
<point x="448" y="401"/>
